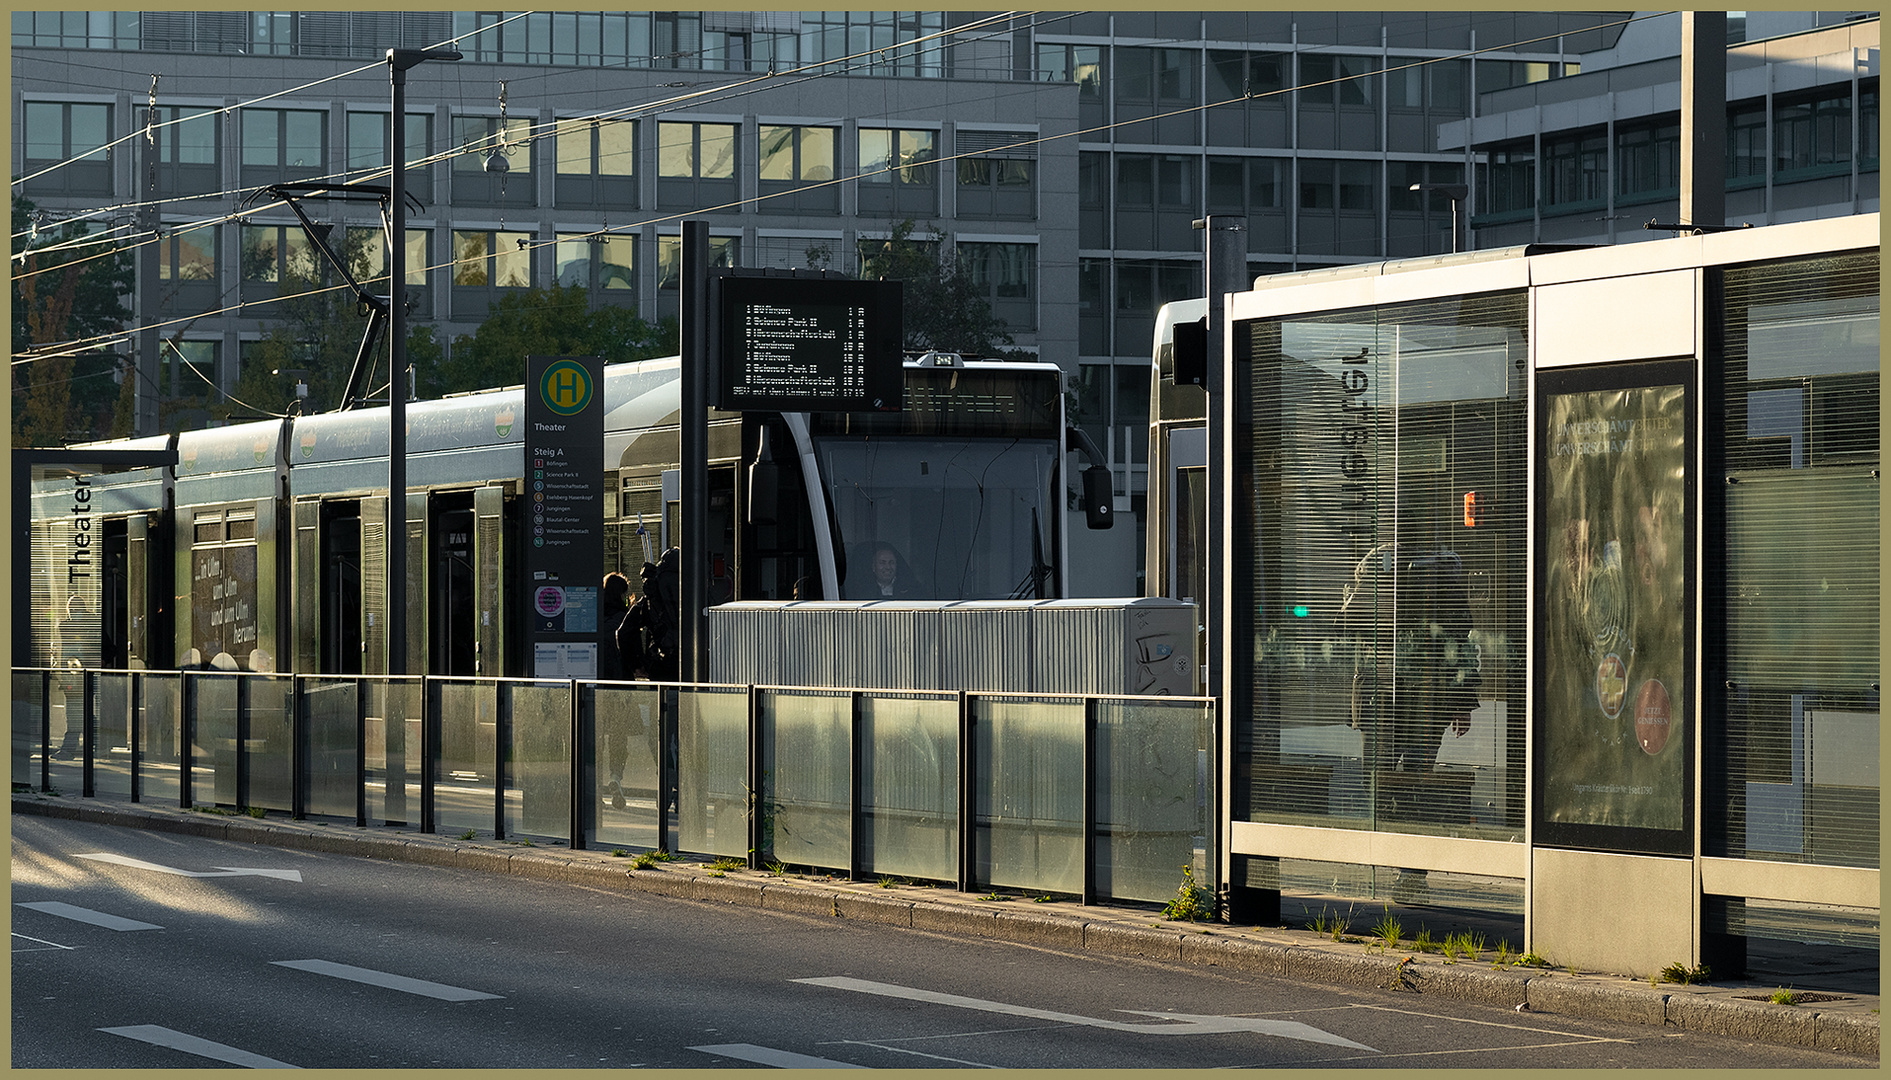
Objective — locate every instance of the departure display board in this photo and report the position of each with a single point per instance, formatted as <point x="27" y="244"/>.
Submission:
<point x="806" y="344"/>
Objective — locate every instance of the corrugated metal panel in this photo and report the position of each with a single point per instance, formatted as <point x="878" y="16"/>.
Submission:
<point x="1143" y="646"/>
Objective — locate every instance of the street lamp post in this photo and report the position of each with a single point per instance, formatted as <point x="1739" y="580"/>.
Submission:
<point x="1457" y="194"/>
<point x="398" y="61"/>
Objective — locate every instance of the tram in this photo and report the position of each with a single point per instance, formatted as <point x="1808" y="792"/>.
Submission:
<point x="264" y="548"/>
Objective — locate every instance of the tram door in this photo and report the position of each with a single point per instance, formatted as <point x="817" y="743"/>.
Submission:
<point x="335" y="621"/>
<point x="451" y="604"/>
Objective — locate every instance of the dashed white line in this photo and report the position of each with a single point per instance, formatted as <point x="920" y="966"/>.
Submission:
<point x="191" y="1044"/>
<point x="385" y="979"/>
<point x="87" y="915"/>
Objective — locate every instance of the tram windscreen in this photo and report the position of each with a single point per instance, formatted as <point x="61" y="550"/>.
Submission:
<point x="933" y="519"/>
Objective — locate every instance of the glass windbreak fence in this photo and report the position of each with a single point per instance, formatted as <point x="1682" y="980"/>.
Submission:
<point x="1104" y="799"/>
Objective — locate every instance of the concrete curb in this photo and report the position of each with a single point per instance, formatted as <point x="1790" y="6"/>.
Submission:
<point x="1853" y="1029"/>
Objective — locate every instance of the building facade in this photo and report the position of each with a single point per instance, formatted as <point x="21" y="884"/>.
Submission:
<point x="1060" y="157"/>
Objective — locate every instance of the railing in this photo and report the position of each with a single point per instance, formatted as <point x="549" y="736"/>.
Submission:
<point x="1104" y="798"/>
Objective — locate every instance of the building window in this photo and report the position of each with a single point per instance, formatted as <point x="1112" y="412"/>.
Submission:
<point x="796" y="167"/>
<point x="283" y="144"/>
<point x="365" y="249"/>
<point x="1346" y="81"/>
<point x="1338" y="185"/>
<point x="277" y="260"/>
<point x="1647" y="161"/>
<point x="190" y="370"/>
<point x="723" y="251"/>
<point x="1868" y="127"/>
<point x="899" y="172"/>
<point x="1812" y="136"/>
<point x="487" y="264"/>
<point x="1161" y="87"/>
<point x="1006" y="274"/>
<point x="1156" y="199"/>
<point x="1504" y="74"/>
<point x="1260" y="120"/>
<point x="367" y="149"/>
<point x="187" y="150"/>
<point x="1142" y="287"/>
<point x="76" y="29"/>
<point x="1746" y="144"/>
<point x="272" y="33"/>
<point x="597" y="163"/>
<point x="999" y="177"/>
<point x="1093" y="307"/>
<point x="476" y="139"/>
<point x="74" y="138"/>
<point x="1575" y="171"/>
<point x="1509" y="186"/>
<point x="1080" y="64"/>
<point x="695" y="165"/>
<point x="1421" y="222"/>
<point x="602" y="264"/>
<point x="188" y="254"/>
<point x="1243" y="186"/>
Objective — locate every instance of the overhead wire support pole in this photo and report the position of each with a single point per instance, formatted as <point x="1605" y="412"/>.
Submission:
<point x="398" y="61"/>
<point x="693" y="433"/>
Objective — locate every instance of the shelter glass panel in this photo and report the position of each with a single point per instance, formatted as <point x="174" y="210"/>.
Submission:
<point x="160" y="739"/>
<point x="626" y="765"/>
<point x="807" y="773"/>
<point x="712" y="745"/>
<point x="1153" y="812"/>
<point x="331" y="711"/>
<point x="1029" y="783"/>
<point x="1379" y="573"/>
<point x="909" y="786"/>
<point x="538" y="760"/>
<point x="1792" y="774"/>
<point x="466" y="775"/>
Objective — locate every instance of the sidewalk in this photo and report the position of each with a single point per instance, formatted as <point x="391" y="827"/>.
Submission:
<point x="1843" y="1022"/>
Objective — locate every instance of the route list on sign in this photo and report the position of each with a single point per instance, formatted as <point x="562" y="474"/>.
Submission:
<point x="807" y="344"/>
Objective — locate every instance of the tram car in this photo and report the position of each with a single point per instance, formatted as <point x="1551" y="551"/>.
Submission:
<point x="264" y="548"/>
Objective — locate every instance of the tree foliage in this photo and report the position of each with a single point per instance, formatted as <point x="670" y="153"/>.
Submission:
<point x="66" y="292"/>
<point x="559" y="321"/>
<point x="944" y="308"/>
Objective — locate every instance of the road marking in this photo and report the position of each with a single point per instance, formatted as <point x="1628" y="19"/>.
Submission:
<point x="87" y="915"/>
<point x="221" y="871"/>
<point x="778" y="1059"/>
<point x="918" y="1053"/>
<point x="191" y="1044"/>
<point x="384" y="979"/>
<point x="39" y="941"/>
<point x="1178" y="1023"/>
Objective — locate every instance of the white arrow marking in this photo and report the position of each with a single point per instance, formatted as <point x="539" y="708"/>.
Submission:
<point x="1178" y="1023"/>
<point x="221" y="871"/>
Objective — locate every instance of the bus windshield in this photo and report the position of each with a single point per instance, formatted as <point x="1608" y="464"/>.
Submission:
<point x="934" y="519"/>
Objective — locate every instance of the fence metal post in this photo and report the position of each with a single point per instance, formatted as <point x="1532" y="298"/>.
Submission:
<point x="579" y="804"/>
<point x="242" y="762"/>
<point x="135" y="702"/>
<point x="88" y="718"/>
<point x="967" y="819"/>
<point x="361" y="752"/>
<point x="45" y="730"/>
<point x="501" y="756"/>
<point x="668" y="706"/>
<point x="1089" y="810"/>
<point x="757" y="797"/>
<point x="429" y="750"/>
<point x="186" y="735"/>
<point x="856" y="840"/>
<point x="298" y="752"/>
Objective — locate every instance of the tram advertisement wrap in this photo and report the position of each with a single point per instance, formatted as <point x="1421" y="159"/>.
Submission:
<point x="1612" y="608"/>
<point x="223" y="605"/>
<point x="564" y="512"/>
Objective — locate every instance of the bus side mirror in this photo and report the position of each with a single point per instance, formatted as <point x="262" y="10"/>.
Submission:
<point x="1190" y="356"/>
<point x="1098" y="497"/>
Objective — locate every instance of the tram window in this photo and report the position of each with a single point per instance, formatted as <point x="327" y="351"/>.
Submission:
<point x="209" y="529"/>
<point x="242" y="528"/>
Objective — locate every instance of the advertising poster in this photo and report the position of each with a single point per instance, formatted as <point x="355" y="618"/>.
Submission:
<point x="1614" y="608"/>
<point x="564" y="512"/>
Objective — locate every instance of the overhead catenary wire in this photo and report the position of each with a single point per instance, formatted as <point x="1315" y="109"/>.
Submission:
<point x="628" y="112"/>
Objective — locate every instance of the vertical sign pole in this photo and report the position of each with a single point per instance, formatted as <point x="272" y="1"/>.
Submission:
<point x="693" y="424"/>
<point x="396" y="598"/>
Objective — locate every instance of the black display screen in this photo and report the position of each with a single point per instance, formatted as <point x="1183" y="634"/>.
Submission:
<point x="806" y="344"/>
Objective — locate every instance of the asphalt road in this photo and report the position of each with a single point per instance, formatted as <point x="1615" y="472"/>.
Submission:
<point x="268" y="957"/>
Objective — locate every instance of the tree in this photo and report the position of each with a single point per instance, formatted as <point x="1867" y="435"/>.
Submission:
<point x="944" y="308"/>
<point x="64" y="291"/>
<point x="317" y="335"/>
<point x="559" y="321"/>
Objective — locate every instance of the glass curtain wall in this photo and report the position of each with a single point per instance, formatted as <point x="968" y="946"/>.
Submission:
<point x="1378" y="597"/>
